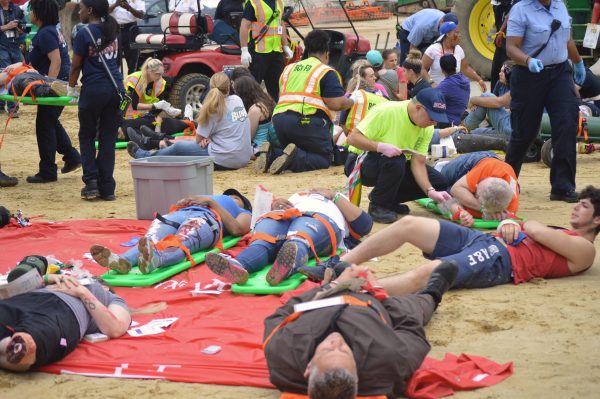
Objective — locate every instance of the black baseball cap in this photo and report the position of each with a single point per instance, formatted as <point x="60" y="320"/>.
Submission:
<point x="245" y="201"/>
<point x="435" y="104"/>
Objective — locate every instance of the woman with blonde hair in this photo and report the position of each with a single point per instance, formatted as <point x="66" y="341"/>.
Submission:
<point x="146" y="113"/>
<point x="223" y="131"/>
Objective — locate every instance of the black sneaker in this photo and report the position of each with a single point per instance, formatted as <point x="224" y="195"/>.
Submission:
<point x="139" y="139"/>
<point x="70" y="167"/>
<point x="440" y="281"/>
<point x="39" y="179"/>
<point x="132" y="149"/>
<point x="261" y="165"/>
<point x="382" y="215"/>
<point x="570" y="197"/>
<point x="147" y="132"/>
<point x="7" y="181"/>
<point x="401" y="209"/>
<point x="317" y="273"/>
<point x="282" y="162"/>
<point x="90" y="191"/>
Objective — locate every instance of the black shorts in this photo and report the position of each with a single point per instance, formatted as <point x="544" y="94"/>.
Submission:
<point x="44" y="316"/>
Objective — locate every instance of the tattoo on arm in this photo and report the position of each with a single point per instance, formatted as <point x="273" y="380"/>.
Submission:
<point x="89" y="303"/>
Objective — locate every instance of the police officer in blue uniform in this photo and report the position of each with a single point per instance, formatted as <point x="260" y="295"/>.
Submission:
<point x="49" y="55"/>
<point x="539" y="42"/>
<point x="99" y="113"/>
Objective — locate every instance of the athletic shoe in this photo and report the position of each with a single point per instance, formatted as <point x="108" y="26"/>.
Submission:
<point x="132" y="149"/>
<point x="148" y="261"/>
<point x="90" y="191"/>
<point x="142" y="141"/>
<point x="227" y="267"/>
<point x="440" y="281"/>
<point x="151" y="133"/>
<point x="261" y="165"/>
<point x="58" y="88"/>
<point x="282" y="162"/>
<point x="172" y="111"/>
<point x="105" y="258"/>
<point x="7" y="181"/>
<point x="188" y="112"/>
<point x="283" y="267"/>
<point x="570" y="197"/>
<point x="318" y="272"/>
<point x="401" y="209"/>
<point x="70" y="167"/>
<point x="382" y="215"/>
<point x="39" y="179"/>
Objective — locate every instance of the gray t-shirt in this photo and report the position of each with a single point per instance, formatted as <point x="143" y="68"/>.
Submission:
<point x="87" y="325"/>
<point x="230" y="136"/>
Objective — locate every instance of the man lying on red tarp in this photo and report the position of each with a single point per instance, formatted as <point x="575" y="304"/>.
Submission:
<point x="367" y="343"/>
<point x="45" y="325"/>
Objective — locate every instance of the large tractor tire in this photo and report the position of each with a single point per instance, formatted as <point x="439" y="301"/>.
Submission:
<point x="189" y="89"/>
<point x="476" y="22"/>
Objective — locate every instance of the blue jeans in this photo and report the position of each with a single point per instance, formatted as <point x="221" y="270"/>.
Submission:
<point x="198" y="230"/>
<point x="180" y="148"/>
<point x="9" y="56"/>
<point x="460" y="166"/>
<point x="260" y="253"/>
<point x="499" y="119"/>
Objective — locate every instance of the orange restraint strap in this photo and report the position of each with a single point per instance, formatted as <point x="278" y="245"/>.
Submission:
<point x="190" y="130"/>
<point x="174" y="241"/>
<point x="20" y="69"/>
<point x="289" y="395"/>
<point x="292" y="213"/>
<point x="27" y="90"/>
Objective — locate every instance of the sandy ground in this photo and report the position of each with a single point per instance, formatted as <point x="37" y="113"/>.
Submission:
<point x="549" y="329"/>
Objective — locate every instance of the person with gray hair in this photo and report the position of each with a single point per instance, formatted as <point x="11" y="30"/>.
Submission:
<point x="482" y="185"/>
<point x="367" y="343"/>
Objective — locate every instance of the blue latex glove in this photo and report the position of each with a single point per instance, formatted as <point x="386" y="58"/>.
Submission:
<point x="535" y="65"/>
<point x="579" y="73"/>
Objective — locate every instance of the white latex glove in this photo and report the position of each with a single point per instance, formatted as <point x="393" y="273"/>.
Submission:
<point x="172" y="111"/>
<point x="246" y="57"/>
<point x="288" y="52"/>
<point x="438" y="196"/>
<point x="388" y="150"/>
<point x="72" y="92"/>
<point x="162" y="104"/>
<point x="353" y="97"/>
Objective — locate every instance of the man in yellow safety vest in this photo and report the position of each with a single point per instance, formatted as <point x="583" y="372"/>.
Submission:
<point x="262" y="38"/>
<point x="311" y="92"/>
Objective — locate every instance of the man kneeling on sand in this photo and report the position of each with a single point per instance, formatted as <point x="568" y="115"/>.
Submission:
<point x="519" y="252"/>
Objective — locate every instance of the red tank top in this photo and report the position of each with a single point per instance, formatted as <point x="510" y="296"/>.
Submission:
<point x="531" y="259"/>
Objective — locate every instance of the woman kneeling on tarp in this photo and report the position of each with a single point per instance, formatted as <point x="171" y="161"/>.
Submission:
<point x="198" y="223"/>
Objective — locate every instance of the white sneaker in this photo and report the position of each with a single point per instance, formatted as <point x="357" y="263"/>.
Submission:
<point x="188" y="112"/>
<point x="172" y="111"/>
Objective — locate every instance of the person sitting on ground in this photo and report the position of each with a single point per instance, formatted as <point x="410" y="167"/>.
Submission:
<point x="15" y="78"/>
<point x="396" y="136"/>
<point x="304" y="226"/>
<point x="310" y="92"/>
<point x="45" y="325"/>
<point x="223" y="131"/>
<point x="369" y="347"/>
<point x="391" y="76"/>
<point x="495" y="109"/>
<point x="412" y="69"/>
<point x="259" y="106"/>
<point x="365" y="69"/>
<point x="199" y="223"/>
<point x="7" y="181"/>
<point x="365" y="100"/>
<point x="447" y="43"/>
<point x="456" y="89"/>
<point x="518" y="252"/>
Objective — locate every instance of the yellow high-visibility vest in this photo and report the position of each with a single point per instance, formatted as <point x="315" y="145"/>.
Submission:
<point x="271" y="40"/>
<point x="132" y="82"/>
<point x="300" y="90"/>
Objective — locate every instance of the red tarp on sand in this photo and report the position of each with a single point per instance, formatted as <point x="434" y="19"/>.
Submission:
<point x="233" y="322"/>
